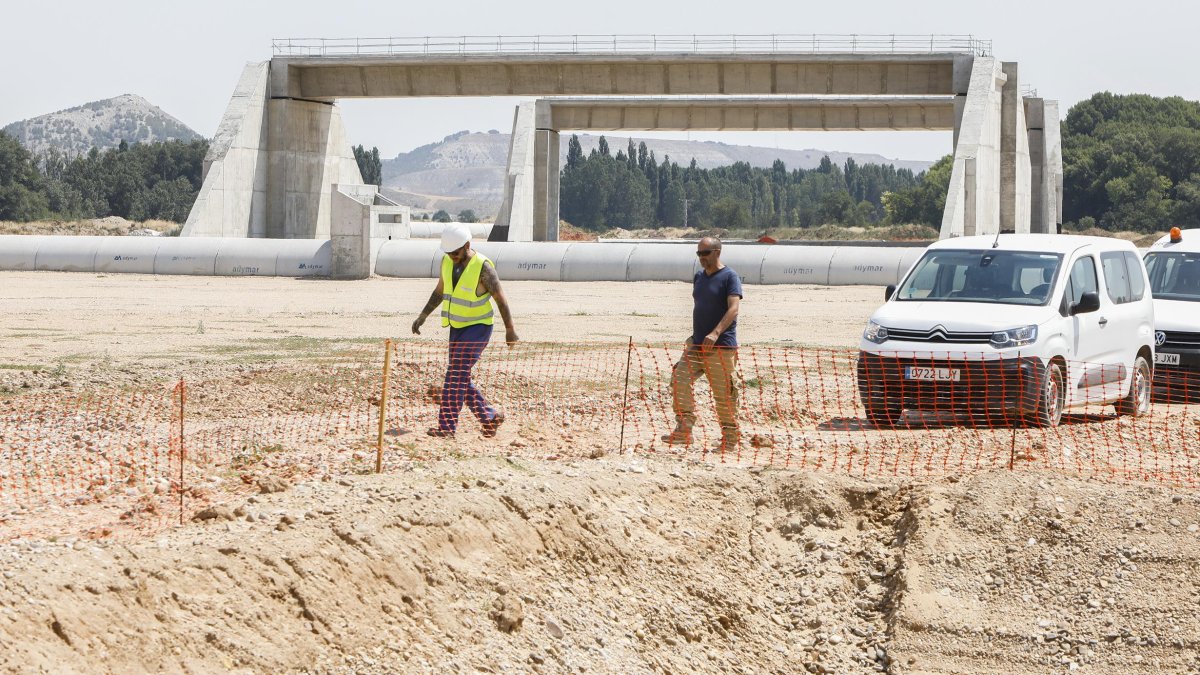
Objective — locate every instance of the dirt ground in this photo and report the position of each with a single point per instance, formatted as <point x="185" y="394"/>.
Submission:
<point x="617" y="563"/>
<point x="168" y="321"/>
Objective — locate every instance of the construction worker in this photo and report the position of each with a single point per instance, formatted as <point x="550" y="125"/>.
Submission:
<point x="467" y="309"/>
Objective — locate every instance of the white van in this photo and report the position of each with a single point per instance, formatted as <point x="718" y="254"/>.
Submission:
<point x="1173" y="264"/>
<point x="1014" y="327"/>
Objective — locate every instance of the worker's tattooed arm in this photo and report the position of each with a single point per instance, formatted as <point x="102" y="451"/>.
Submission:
<point x="491" y="283"/>
<point x="435" y="299"/>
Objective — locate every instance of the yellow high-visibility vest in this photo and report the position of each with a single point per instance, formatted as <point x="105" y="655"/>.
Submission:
<point x="460" y="306"/>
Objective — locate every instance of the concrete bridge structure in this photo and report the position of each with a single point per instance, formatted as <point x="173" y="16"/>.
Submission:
<point x="281" y="145"/>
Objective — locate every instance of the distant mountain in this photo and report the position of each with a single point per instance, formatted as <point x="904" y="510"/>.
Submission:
<point x="102" y="124"/>
<point x="466" y="170"/>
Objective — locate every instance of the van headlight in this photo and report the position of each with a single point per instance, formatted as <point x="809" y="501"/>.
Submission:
<point x="1014" y="337"/>
<point x="875" y="333"/>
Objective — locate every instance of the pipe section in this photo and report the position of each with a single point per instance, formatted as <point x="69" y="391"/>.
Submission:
<point x="532" y="261"/>
<point x="167" y="255"/>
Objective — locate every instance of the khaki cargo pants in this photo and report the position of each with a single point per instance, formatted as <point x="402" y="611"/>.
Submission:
<point x="719" y="365"/>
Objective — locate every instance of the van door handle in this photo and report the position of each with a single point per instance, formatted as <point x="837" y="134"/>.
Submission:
<point x="1103" y="322"/>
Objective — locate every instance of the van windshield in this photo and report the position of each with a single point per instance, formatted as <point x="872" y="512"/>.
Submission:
<point x="989" y="275"/>
<point x="1174" y="276"/>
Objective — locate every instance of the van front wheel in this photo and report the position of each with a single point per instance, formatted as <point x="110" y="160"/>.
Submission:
<point x="1050" y="401"/>
<point x="1137" y="402"/>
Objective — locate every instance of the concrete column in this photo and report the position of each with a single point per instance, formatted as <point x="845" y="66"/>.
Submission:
<point x="1038" y="214"/>
<point x="307" y="153"/>
<point x="1010" y="98"/>
<point x="1054" y="164"/>
<point x="973" y="197"/>
<point x="1045" y="159"/>
<point x="1014" y="156"/>
<point x="546" y="184"/>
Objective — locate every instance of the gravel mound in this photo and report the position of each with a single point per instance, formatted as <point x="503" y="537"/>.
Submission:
<point x="626" y="564"/>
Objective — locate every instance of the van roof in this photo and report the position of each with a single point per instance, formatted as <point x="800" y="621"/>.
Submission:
<point x="1190" y="243"/>
<point x="1041" y="243"/>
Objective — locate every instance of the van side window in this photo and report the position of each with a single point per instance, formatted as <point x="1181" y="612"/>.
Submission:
<point x="1082" y="279"/>
<point x="1137" y="277"/>
<point x="1116" y="276"/>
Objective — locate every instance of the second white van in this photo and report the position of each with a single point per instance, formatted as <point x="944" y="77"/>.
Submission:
<point x="1173" y="264"/>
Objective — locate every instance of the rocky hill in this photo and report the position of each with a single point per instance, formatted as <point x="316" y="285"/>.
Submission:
<point x="466" y="169"/>
<point x="102" y="124"/>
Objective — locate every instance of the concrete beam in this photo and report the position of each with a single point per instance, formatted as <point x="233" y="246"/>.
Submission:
<point x="650" y="74"/>
<point x="749" y="113"/>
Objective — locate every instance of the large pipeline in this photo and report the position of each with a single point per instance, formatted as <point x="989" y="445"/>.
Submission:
<point x="590" y="261"/>
<point x="545" y="261"/>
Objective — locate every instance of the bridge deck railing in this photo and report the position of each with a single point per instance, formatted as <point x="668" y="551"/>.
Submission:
<point x="639" y="44"/>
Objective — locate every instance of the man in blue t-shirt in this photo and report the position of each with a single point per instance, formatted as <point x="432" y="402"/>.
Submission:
<point x="711" y="350"/>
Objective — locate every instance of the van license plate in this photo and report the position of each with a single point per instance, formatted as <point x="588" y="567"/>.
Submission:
<point x="932" y="374"/>
<point x="1162" y="359"/>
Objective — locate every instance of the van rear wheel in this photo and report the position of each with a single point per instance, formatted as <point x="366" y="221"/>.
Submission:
<point x="1050" y="400"/>
<point x="1137" y="402"/>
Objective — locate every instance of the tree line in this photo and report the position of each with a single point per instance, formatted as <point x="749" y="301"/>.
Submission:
<point x="150" y="181"/>
<point x="633" y="189"/>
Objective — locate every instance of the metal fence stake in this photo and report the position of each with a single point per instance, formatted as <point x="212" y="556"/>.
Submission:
<point x="625" y="397"/>
<point x="387" y="369"/>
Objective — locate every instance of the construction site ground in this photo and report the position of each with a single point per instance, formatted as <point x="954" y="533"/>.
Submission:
<point x="618" y="562"/>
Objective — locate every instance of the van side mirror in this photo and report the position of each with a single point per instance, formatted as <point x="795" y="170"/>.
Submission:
<point x="1088" y="302"/>
<point x="888" y="292"/>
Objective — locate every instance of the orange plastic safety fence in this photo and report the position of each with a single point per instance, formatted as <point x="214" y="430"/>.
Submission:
<point x="128" y="462"/>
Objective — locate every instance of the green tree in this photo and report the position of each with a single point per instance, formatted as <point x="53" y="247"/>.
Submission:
<point x="574" y="153"/>
<point x="1187" y="201"/>
<point x="924" y="203"/>
<point x="1140" y="201"/>
<point x="731" y="213"/>
<point x="442" y="217"/>
<point x="369" y="165"/>
<point x="21" y="183"/>
<point x="467" y="216"/>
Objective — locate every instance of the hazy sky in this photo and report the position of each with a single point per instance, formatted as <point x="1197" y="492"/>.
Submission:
<point x="186" y="57"/>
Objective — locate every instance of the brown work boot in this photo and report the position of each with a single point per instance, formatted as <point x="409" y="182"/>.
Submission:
<point x="437" y="432"/>
<point x="678" y="437"/>
<point x="491" y="426"/>
<point x="730" y="440"/>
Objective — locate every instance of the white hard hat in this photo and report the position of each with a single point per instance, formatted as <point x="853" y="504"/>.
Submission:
<point x="454" y="236"/>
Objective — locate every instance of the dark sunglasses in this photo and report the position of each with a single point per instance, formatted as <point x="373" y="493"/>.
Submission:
<point x="703" y="254"/>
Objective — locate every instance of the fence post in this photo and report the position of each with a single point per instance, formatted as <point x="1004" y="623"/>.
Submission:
<point x="182" y="450"/>
<point x="625" y="397"/>
<point x="1012" y="448"/>
<point x="387" y="368"/>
